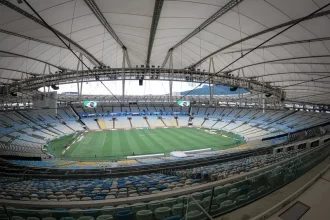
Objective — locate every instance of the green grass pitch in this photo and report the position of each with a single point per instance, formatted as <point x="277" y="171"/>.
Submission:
<point x="118" y="144"/>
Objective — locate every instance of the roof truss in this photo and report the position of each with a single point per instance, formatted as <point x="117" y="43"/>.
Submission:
<point x="30" y="16"/>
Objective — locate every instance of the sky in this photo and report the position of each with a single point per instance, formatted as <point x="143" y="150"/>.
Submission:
<point x="153" y="87"/>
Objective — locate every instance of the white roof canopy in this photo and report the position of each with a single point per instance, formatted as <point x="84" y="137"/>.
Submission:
<point x="297" y="60"/>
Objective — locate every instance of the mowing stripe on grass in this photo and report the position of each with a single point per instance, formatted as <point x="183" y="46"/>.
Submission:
<point x="144" y="145"/>
<point x="116" y="145"/>
<point x="158" y="146"/>
<point x="120" y="143"/>
<point x="129" y="142"/>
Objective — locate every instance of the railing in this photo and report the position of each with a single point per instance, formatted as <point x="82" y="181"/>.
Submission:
<point x="196" y="202"/>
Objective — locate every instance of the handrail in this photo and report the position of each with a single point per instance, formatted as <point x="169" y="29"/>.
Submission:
<point x="160" y="196"/>
<point x="266" y="214"/>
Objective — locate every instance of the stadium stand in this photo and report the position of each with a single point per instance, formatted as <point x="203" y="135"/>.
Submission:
<point x="261" y="178"/>
<point x="91" y="123"/>
<point x="29" y="139"/>
<point x="183" y="120"/>
<point x="154" y="121"/>
<point x="141" y="185"/>
<point x="122" y="122"/>
<point x="164" y="110"/>
<point x="139" y="122"/>
<point x="36" y="130"/>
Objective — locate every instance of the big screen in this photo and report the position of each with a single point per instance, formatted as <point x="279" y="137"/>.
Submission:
<point x="90" y="104"/>
<point x="184" y="103"/>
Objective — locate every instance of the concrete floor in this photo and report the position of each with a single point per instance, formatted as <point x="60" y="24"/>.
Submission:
<point x="317" y="197"/>
<point x="267" y="202"/>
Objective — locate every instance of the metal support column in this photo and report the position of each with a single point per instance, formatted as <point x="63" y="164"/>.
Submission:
<point x="171" y="77"/>
<point x="240" y="92"/>
<point x="263" y="105"/>
<point x="81" y="82"/>
<point x="124" y="75"/>
<point x="280" y="99"/>
<point x="260" y="96"/>
<point x="211" y="85"/>
<point x="43" y="79"/>
<point x="78" y="76"/>
<point x="49" y="74"/>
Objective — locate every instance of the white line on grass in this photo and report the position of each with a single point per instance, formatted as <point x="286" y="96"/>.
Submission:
<point x="85" y="141"/>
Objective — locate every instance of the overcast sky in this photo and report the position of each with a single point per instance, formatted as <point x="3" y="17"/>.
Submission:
<point x="132" y="87"/>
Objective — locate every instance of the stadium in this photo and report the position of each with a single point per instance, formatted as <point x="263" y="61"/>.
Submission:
<point x="164" y="110"/>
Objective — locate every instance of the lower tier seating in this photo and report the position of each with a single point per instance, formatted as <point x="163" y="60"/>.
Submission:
<point x="221" y="197"/>
<point x="111" y="188"/>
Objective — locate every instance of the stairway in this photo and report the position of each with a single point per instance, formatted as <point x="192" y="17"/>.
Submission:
<point x="36" y="136"/>
<point x="59" y="131"/>
<point x="244" y="123"/>
<point x="101" y="123"/>
<point x="75" y="113"/>
<point x="203" y="122"/>
<point x="163" y="122"/>
<point x="226" y="125"/>
<point x="148" y="123"/>
<point x="214" y="124"/>
<point x="44" y="130"/>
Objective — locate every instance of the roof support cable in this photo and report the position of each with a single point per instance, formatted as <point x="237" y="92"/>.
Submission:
<point x="223" y="10"/>
<point x="200" y="48"/>
<point x="74" y="11"/>
<point x="68" y="46"/>
<point x="240" y="30"/>
<point x="181" y="56"/>
<point x="26" y="62"/>
<point x="29" y="38"/>
<point x="103" y="45"/>
<point x="284" y="44"/>
<point x="19" y="10"/>
<point x="269" y="39"/>
<point x="316" y="15"/>
<point x="280" y="61"/>
<point x="11" y="54"/>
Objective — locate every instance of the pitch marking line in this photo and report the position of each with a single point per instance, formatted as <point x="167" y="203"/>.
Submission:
<point x="84" y="141"/>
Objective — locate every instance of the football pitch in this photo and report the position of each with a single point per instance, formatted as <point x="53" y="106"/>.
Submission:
<point x="117" y="144"/>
